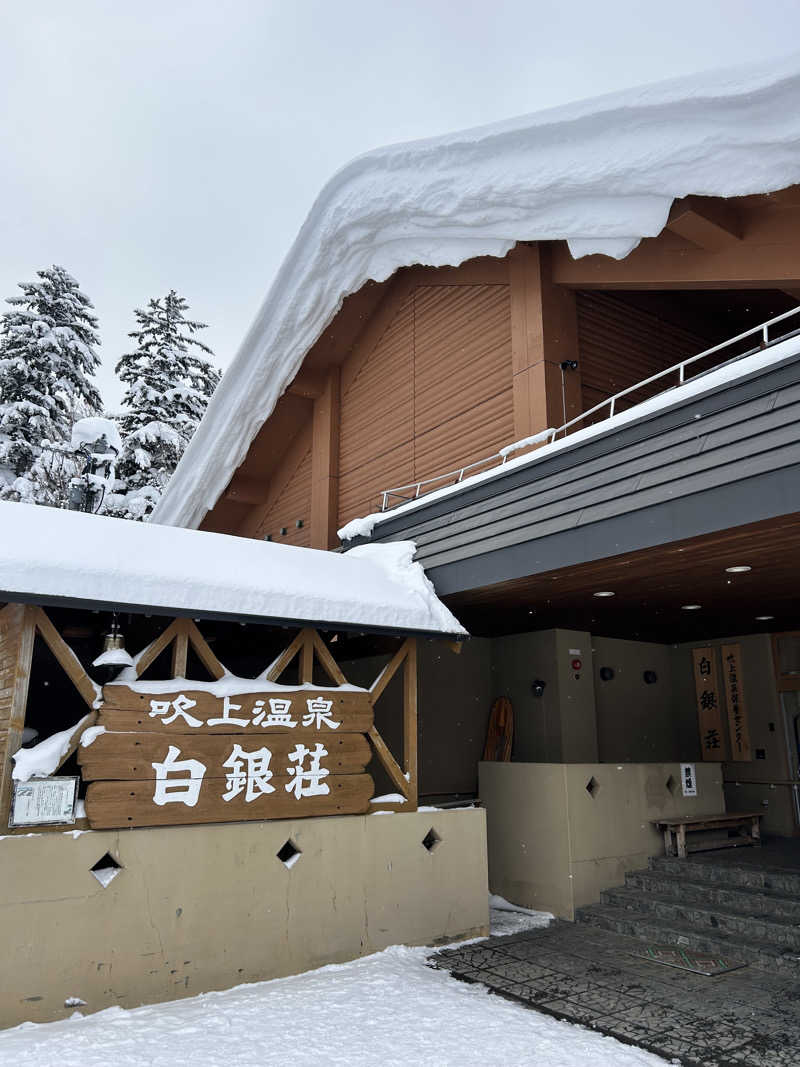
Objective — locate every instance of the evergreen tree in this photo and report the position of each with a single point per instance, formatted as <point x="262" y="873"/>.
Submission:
<point x="47" y="360"/>
<point x="168" y="385"/>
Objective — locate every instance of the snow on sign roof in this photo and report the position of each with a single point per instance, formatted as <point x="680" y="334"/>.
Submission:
<point x="601" y="174"/>
<point x="69" y="556"/>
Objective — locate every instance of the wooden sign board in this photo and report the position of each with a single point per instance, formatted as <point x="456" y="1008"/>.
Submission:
<point x="188" y="711"/>
<point x="737" y="712"/>
<point x="709" y="710"/>
<point x="192" y="756"/>
<point x="110" y="805"/>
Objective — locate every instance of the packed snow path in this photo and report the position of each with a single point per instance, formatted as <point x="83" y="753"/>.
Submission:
<point x="385" y="1009"/>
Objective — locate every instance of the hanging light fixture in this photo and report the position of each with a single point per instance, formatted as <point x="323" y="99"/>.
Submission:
<point x="114" y="656"/>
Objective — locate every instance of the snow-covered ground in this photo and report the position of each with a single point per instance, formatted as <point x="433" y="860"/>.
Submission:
<point x="385" y="1009"/>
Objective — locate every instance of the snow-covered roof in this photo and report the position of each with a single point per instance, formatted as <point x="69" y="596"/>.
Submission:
<point x="74" y="558"/>
<point x="601" y="174"/>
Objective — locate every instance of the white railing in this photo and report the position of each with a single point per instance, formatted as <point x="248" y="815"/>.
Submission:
<point x="401" y="494"/>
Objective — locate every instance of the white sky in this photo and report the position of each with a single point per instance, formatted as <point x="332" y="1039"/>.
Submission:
<point x="180" y="144"/>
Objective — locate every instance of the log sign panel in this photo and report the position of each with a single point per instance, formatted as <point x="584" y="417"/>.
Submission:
<point x="191" y="756"/>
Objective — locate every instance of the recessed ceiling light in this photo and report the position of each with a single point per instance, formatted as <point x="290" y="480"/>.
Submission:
<point x="742" y="569"/>
<point x="604" y="592"/>
<point x="691" y="607"/>
<point x="764" y="618"/>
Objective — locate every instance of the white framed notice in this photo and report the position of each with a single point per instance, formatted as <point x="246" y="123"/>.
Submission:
<point x="689" y="779"/>
<point x="43" y="801"/>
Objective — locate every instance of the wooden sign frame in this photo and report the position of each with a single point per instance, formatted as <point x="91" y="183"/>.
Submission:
<point x="709" y="704"/>
<point x="19" y="625"/>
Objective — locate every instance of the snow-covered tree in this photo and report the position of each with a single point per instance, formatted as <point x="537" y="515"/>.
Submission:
<point x="168" y="383"/>
<point x="47" y="361"/>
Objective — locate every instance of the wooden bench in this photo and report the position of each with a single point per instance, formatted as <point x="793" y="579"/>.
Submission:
<point x="746" y="822"/>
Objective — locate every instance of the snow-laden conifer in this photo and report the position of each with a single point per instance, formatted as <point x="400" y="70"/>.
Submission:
<point x="169" y="382"/>
<point x="48" y="339"/>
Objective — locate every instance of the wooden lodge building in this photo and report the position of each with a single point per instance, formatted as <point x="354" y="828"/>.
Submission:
<point x="561" y="357"/>
<point x="570" y="379"/>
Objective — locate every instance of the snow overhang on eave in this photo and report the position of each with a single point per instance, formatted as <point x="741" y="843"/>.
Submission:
<point x="327" y="626"/>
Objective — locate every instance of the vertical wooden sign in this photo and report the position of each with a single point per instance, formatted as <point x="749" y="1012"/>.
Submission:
<point x="737" y="711"/>
<point x="709" y="710"/>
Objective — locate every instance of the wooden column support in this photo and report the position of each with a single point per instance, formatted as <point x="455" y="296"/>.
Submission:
<point x="544" y="334"/>
<point x="325" y="464"/>
<point x="405" y="779"/>
<point x="17" y="631"/>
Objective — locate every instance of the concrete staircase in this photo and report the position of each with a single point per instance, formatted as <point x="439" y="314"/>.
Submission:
<point x="745" y="912"/>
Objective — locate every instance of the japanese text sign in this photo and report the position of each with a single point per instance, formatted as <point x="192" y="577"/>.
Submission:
<point x="709" y="709"/>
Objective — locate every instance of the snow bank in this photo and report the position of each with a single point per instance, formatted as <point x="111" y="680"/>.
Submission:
<point x="44" y="758"/>
<point x="600" y="174"/>
<point x="99" y="560"/>
<point x="388" y="1009"/>
<point x="89" y="430"/>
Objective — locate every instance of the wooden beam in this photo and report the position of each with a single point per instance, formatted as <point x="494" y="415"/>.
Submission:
<point x="389" y="671"/>
<point x="328" y="662"/>
<point x="764" y="258"/>
<point x="17" y="631"/>
<point x="325" y="464"/>
<point x="307" y="656"/>
<point x="155" y="648"/>
<point x="69" y="662"/>
<point x="708" y="222"/>
<point x="389" y="762"/>
<point x="180" y="650"/>
<point x="75" y="738"/>
<point x="410" y="729"/>
<point x="204" y="653"/>
<point x="544" y="334"/>
<point x="308" y="384"/>
<point x="279" y="665"/>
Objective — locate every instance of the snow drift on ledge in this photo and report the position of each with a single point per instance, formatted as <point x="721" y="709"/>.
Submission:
<point x="600" y="174"/>
<point x="47" y="552"/>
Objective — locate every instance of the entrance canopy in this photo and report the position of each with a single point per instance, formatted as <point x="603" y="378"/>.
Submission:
<point x="68" y="558"/>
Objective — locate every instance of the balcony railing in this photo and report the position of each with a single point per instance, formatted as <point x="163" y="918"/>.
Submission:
<point x="402" y="494"/>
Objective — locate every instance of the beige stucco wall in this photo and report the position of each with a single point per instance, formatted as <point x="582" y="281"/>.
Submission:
<point x="554" y="846"/>
<point x="208" y="907"/>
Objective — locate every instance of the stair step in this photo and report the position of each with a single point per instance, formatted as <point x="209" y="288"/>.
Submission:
<point x="706" y="916"/>
<point x="747" y="900"/>
<point x="655" y="930"/>
<point x="776" y="879"/>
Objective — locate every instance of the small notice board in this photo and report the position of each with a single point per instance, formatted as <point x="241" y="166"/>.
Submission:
<point x="40" y="801"/>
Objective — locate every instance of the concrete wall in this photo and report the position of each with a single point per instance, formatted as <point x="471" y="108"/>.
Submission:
<point x="207" y="907"/>
<point x="554" y="845"/>
<point x="639" y="722"/>
<point x="560" y="726"/>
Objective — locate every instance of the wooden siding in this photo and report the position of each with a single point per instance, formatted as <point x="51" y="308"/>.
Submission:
<point x="620" y="345"/>
<point x="292" y="502"/>
<point x="434" y="393"/>
<point x="749" y="429"/>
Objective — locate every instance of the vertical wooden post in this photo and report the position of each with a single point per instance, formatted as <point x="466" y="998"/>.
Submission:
<point x="17" y="632"/>
<point x="410" y="724"/>
<point x="307" y="657"/>
<point x="325" y="464"/>
<point x="544" y="333"/>
<point x="180" y="650"/>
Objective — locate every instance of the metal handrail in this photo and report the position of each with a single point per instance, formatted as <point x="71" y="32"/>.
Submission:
<point x="499" y="458"/>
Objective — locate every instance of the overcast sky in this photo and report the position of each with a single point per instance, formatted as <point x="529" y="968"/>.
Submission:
<point x="180" y="143"/>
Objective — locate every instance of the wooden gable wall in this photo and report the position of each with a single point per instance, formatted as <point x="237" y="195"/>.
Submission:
<point x="436" y="368"/>
<point x="435" y="392"/>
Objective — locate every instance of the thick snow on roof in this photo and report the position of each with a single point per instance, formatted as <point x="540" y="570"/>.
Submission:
<point x="601" y="174"/>
<point x="48" y="553"/>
